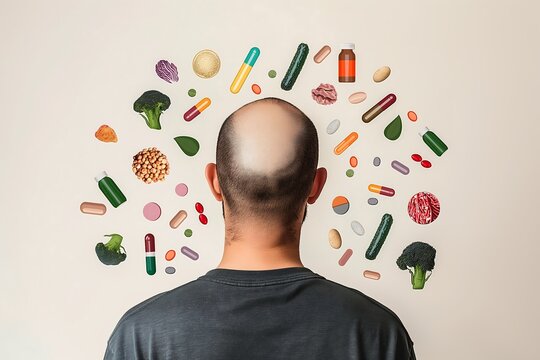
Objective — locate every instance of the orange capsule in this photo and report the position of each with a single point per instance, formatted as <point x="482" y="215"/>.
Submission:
<point x="342" y="146"/>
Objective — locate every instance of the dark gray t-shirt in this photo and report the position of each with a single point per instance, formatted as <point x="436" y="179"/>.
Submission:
<point x="289" y="313"/>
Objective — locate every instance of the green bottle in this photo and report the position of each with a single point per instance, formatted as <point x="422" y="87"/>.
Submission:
<point x="109" y="188"/>
<point x="433" y="141"/>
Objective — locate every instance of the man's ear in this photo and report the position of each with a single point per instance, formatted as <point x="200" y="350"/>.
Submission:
<point x="318" y="184"/>
<point x="211" y="177"/>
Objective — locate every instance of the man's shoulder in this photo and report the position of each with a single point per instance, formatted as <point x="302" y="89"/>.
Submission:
<point x="354" y="303"/>
<point x="160" y="302"/>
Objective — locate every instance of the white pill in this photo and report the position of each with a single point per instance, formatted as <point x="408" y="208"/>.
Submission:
<point x="357" y="228"/>
<point x="334" y="238"/>
<point x="333" y="126"/>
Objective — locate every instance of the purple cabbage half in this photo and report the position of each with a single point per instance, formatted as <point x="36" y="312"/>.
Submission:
<point x="167" y="71"/>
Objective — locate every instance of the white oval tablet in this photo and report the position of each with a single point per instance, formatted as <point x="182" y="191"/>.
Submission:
<point x="333" y="126"/>
<point x="357" y="228"/>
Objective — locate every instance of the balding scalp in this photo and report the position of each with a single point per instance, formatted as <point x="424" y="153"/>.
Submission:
<point x="266" y="156"/>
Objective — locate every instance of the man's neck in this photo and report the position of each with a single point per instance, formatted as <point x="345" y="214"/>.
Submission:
<point x="260" y="246"/>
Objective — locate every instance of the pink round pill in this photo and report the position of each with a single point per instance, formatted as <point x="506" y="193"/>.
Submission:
<point x="152" y="211"/>
<point x="181" y="189"/>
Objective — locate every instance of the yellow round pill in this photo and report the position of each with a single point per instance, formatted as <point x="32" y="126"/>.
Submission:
<point x="206" y="64"/>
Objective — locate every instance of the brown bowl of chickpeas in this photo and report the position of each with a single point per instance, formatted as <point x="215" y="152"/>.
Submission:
<point x="150" y="165"/>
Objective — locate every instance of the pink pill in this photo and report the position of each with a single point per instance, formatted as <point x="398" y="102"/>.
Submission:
<point x="152" y="211"/>
<point x="181" y="189"/>
<point x="346" y="256"/>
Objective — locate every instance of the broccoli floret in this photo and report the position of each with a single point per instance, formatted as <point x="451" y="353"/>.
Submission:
<point x="110" y="253"/>
<point x="418" y="258"/>
<point x="152" y="103"/>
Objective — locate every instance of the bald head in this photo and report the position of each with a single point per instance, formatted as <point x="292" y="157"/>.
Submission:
<point x="266" y="159"/>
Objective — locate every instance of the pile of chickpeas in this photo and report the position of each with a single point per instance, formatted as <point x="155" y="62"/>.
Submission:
<point x="150" y="165"/>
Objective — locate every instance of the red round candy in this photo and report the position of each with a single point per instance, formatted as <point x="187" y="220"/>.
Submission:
<point x="203" y="219"/>
<point x="424" y="208"/>
<point x="416" y="157"/>
<point x="199" y="207"/>
<point x="426" y="164"/>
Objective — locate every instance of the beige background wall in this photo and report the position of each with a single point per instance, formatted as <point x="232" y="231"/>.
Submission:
<point x="468" y="68"/>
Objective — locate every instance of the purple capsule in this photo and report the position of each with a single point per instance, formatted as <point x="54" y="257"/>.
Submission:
<point x="167" y="71"/>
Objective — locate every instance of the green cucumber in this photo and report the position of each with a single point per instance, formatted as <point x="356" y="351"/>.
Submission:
<point x="380" y="237"/>
<point x="296" y="65"/>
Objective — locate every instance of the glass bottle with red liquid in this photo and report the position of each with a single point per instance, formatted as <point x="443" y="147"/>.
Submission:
<point x="347" y="63"/>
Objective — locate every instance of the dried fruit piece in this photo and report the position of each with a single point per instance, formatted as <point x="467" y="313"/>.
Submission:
<point x="106" y="134"/>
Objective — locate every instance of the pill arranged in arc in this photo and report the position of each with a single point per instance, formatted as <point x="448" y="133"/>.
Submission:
<point x="381" y="74"/>
<point x="357" y="97"/>
<point x="206" y="64"/>
<point x="181" y="189"/>
<point x="373" y="275"/>
<point x="412" y="116"/>
<point x="345" y="257"/>
<point x="425" y="163"/>
<point x="256" y="89"/>
<point x="399" y="167"/>
<point x="150" y="250"/>
<point x="382" y="190"/>
<point x="170" y="255"/>
<point x="244" y="70"/>
<point x="189" y="253"/>
<point x="93" y="208"/>
<point x="322" y="54"/>
<point x="334" y="238"/>
<point x="203" y="219"/>
<point x="178" y="219"/>
<point x="340" y="204"/>
<point x="196" y="109"/>
<point x="345" y="143"/>
<point x="199" y="207"/>
<point x="353" y="161"/>
<point x="357" y="228"/>
<point x="333" y="126"/>
<point x="152" y="211"/>
<point x="378" y="108"/>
